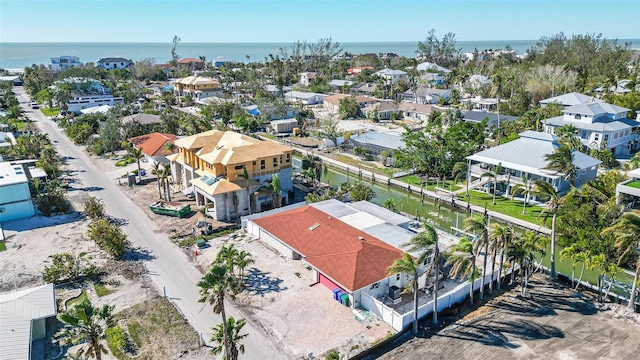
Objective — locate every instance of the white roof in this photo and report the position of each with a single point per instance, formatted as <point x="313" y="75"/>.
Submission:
<point x="429" y="65"/>
<point x="17" y="310"/>
<point x="6" y="139"/>
<point x="284" y="121"/>
<point x="528" y="154"/>
<point x="571" y="99"/>
<point x="302" y="95"/>
<point x="390" y="72"/>
<point x="11" y="174"/>
<point x="103" y="109"/>
<point x="595" y="108"/>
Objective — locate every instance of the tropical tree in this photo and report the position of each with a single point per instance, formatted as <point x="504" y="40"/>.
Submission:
<point x="571" y="252"/>
<point x="627" y="234"/>
<point x="502" y="236"/>
<point x="49" y="161"/>
<point x="561" y="161"/>
<point x="584" y="257"/>
<point x="109" y="237"/>
<point x="93" y="207"/>
<point x="229" y="334"/>
<point x="546" y="191"/>
<point x="479" y="225"/>
<point x="408" y="265"/>
<point x="390" y="204"/>
<point x="525" y="189"/>
<point x="136" y="154"/>
<point x="426" y="243"/>
<point x="494" y="175"/>
<point x="460" y="169"/>
<point x="214" y="285"/>
<point x="462" y="258"/>
<point x="166" y="173"/>
<point x="361" y="191"/>
<point x="276" y="191"/>
<point x="158" y="172"/>
<point x="85" y="324"/>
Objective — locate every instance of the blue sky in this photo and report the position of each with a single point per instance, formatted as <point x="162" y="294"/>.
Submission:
<point x="287" y="21"/>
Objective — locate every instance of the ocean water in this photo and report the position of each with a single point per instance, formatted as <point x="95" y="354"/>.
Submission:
<point x="19" y="55"/>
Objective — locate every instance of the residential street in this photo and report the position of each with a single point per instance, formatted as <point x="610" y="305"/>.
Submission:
<point x="168" y="266"/>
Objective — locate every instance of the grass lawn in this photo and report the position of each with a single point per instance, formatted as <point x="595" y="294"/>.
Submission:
<point x="365" y="164"/>
<point x="430" y="185"/>
<point x="505" y="206"/>
<point x="69" y="304"/>
<point x="50" y="111"/>
<point x="101" y="290"/>
<point x="3" y="246"/>
<point x="634" y="184"/>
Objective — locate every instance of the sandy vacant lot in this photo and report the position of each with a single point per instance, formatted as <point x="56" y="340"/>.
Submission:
<point x="552" y="322"/>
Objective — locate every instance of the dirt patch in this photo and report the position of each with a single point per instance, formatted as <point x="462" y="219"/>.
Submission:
<point x="551" y="322"/>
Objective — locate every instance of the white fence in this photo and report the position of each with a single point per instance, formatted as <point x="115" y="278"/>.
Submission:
<point x="445" y="300"/>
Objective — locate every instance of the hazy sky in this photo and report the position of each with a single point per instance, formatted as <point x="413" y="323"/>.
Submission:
<point x="287" y="21"/>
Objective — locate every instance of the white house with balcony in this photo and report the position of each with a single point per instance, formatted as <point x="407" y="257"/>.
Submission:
<point x="64" y="62"/>
<point x="391" y="75"/>
<point x="525" y="157"/>
<point x="599" y="124"/>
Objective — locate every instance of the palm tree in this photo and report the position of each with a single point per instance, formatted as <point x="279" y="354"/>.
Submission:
<point x="137" y="155"/>
<point x="561" y="161"/>
<point x="409" y="265"/>
<point x="85" y="324"/>
<point x="627" y="234"/>
<point x="571" y="252"/>
<point x="49" y="161"/>
<point x="214" y="285"/>
<point x="276" y="191"/>
<point x="544" y="190"/>
<point x="461" y="169"/>
<point x="462" y="257"/>
<point x="494" y="175"/>
<point x="426" y="242"/>
<point x="525" y="189"/>
<point x="157" y="171"/>
<point x="390" y="204"/>
<point x="502" y="236"/>
<point x="242" y="260"/>
<point x="247" y="179"/>
<point x="479" y="224"/>
<point x="166" y="171"/>
<point x="230" y="332"/>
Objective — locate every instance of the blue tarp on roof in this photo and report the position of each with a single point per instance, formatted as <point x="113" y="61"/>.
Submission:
<point x="254" y="112"/>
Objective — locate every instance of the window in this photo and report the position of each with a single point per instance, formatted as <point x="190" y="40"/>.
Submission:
<point x="375" y="286"/>
<point x="275" y="162"/>
<point x="578" y="117"/>
<point x="254" y="163"/>
<point x="596" y="137"/>
<point x="239" y="167"/>
<point x="397" y="277"/>
<point x="263" y="165"/>
<point x="606" y="137"/>
<point x="626" y="133"/>
<point x="615" y="136"/>
<point x="584" y="171"/>
<point x="288" y="157"/>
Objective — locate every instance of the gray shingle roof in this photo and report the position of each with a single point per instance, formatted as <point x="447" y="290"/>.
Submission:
<point x="112" y="59"/>
<point x="528" y="154"/>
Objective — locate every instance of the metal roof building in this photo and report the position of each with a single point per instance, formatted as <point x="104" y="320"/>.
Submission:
<point x="22" y="320"/>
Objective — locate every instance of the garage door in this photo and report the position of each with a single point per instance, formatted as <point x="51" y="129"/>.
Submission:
<point x="328" y="283"/>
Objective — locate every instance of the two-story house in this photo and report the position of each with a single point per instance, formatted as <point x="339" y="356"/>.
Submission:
<point x="392" y="76"/>
<point x="213" y="163"/>
<point x="113" y="63"/>
<point x="306" y="77"/>
<point x="599" y="124"/>
<point x="64" y="62"/>
<point x="87" y="93"/>
<point x="197" y="87"/>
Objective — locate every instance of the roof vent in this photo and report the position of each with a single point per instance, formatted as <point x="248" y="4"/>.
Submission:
<point x="314" y="226"/>
<point x="330" y="218"/>
<point x="361" y="238"/>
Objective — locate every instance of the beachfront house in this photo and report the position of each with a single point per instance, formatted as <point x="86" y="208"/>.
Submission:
<point x="113" y="63"/>
<point x="599" y="124"/>
<point x="211" y="166"/>
<point x="525" y="156"/>
<point x="23" y="322"/>
<point x="61" y="63"/>
<point x="196" y="87"/>
<point x="349" y="248"/>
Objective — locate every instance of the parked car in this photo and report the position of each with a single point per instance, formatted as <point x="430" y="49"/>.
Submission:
<point x="34" y="105"/>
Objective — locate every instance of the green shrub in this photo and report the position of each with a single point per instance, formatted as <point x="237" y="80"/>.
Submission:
<point x="101" y="290"/>
<point x="116" y="340"/>
<point x="94" y="207"/>
<point x="3" y="246"/>
<point x="134" y="331"/>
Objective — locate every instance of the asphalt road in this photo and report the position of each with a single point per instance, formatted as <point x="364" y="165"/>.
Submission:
<point x="168" y="266"/>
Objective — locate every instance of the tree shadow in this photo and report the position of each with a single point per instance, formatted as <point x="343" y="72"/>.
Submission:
<point x="259" y="283"/>
<point x="494" y="333"/>
<point x="119" y="221"/>
<point x="87" y="189"/>
<point x="138" y="253"/>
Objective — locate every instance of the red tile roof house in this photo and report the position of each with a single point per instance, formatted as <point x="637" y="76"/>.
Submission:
<point x="341" y="256"/>
<point x="154" y="146"/>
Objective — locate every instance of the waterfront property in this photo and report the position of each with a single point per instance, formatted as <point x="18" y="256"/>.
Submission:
<point x="155" y="146"/>
<point x="196" y="87"/>
<point x="23" y="327"/>
<point x="111" y="63"/>
<point x="526" y="157"/>
<point x="211" y="165"/>
<point x="15" y="195"/>
<point x="376" y="142"/>
<point x="64" y="62"/>
<point x="599" y="124"/>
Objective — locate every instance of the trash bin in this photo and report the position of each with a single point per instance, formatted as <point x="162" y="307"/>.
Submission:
<point x="344" y="299"/>
<point x="335" y="294"/>
<point x="142" y="172"/>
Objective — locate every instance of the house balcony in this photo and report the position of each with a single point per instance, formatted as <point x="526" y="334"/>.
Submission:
<point x="628" y="191"/>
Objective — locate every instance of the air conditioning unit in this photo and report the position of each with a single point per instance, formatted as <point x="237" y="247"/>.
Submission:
<point x="394" y="292"/>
